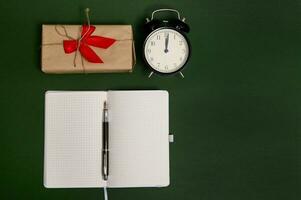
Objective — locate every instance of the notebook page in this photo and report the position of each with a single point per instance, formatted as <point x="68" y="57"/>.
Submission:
<point x="138" y="141"/>
<point x="73" y="139"/>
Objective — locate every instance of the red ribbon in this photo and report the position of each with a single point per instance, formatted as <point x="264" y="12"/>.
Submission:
<point x="71" y="46"/>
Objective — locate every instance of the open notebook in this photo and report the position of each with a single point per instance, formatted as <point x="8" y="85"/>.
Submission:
<point x="138" y="139"/>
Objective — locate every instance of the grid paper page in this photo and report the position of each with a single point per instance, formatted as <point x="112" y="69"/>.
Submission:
<point x="73" y="139"/>
<point x="138" y="140"/>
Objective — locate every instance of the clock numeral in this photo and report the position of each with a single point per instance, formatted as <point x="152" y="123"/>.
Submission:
<point x="158" y="64"/>
<point x="158" y="37"/>
<point x="153" y="43"/>
<point x="148" y="50"/>
<point x="184" y="50"/>
<point x="166" y="34"/>
<point x="174" y="36"/>
<point x="151" y="58"/>
<point x="175" y="64"/>
<point x="166" y="67"/>
<point x="181" y="42"/>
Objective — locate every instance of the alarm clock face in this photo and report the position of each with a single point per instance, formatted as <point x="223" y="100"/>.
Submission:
<point x="166" y="50"/>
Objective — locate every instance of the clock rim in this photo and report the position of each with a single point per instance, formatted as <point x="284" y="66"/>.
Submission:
<point x="188" y="57"/>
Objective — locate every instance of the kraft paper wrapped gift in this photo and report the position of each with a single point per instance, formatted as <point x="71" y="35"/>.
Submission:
<point x="87" y="49"/>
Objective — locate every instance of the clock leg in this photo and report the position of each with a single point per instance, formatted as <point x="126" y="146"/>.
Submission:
<point x="182" y="75"/>
<point x="150" y="74"/>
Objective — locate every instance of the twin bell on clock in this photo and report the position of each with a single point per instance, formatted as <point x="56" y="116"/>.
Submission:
<point x="166" y="48"/>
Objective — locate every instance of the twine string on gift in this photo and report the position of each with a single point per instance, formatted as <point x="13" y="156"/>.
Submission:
<point x="87" y="10"/>
<point x="65" y="34"/>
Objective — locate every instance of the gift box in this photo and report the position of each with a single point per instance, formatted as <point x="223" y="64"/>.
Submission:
<point x="87" y="48"/>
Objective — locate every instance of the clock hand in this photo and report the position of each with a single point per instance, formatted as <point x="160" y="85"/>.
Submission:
<point x="166" y="43"/>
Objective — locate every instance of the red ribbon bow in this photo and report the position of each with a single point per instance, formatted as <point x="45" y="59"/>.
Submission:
<point x="86" y="40"/>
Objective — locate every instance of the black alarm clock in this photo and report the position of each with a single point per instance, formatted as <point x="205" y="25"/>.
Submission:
<point x="166" y="48"/>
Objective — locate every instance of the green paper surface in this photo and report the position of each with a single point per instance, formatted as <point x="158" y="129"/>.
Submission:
<point x="235" y="116"/>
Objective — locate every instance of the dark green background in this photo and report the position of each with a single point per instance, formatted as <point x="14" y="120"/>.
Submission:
<point x="236" y="115"/>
